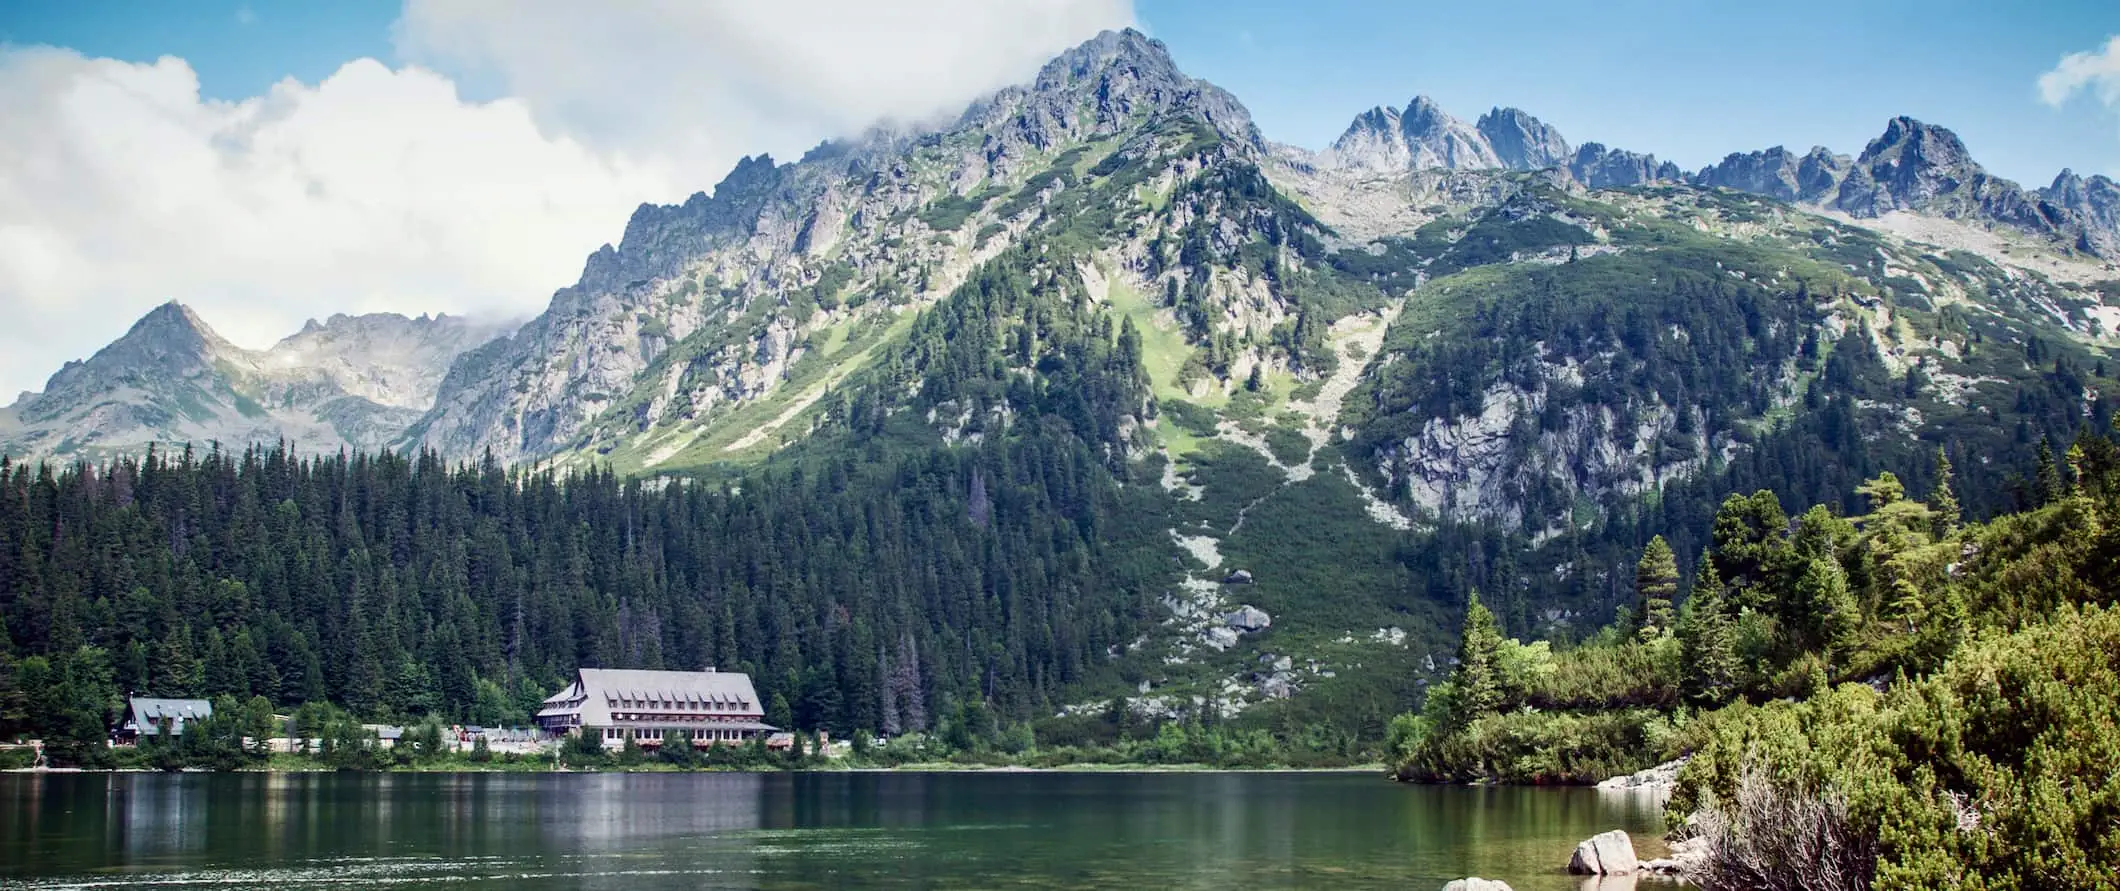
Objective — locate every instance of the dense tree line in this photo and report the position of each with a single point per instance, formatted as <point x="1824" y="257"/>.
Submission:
<point x="864" y="580"/>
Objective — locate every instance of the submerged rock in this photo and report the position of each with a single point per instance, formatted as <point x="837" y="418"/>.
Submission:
<point x="1604" y="854"/>
<point x="1476" y="883"/>
<point x="1687" y="856"/>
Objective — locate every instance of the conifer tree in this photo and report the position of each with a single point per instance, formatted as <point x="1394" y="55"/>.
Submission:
<point x="1707" y="653"/>
<point x="1478" y="675"/>
<point x="1944" y="501"/>
<point x="2047" y="478"/>
<point x="1656" y="583"/>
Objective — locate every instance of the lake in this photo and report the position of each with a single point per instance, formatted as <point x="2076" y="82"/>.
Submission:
<point x="1141" y="832"/>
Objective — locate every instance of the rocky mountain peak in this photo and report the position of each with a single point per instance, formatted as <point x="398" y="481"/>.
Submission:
<point x="1125" y="49"/>
<point x="1916" y="147"/>
<point x="169" y="322"/>
<point x="1922" y="167"/>
<point x="1437" y="140"/>
<point x="1123" y="74"/>
<point x="169" y="339"/>
<point x="1522" y="142"/>
<point x="1421" y="137"/>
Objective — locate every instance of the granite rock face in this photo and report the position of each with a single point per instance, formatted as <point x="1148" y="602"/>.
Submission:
<point x="1523" y="142"/>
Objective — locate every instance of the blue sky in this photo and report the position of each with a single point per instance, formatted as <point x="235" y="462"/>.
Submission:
<point x="268" y="161"/>
<point x="1688" y="80"/>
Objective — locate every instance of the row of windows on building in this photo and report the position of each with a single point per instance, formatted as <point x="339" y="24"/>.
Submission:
<point x="653" y="735"/>
<point x="677" y="719"/>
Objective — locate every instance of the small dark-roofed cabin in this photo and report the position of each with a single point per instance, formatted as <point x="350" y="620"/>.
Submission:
<point x="149" y="716"/>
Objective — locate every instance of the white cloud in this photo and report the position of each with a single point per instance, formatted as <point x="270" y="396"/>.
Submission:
<point x="384" y="189"/>
<point x="373" y="190"/>
<point x="2092" y="71"/>
<point x="706" y="81"/>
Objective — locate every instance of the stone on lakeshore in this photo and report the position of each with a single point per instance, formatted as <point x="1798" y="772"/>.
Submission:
<point x="1476" y="883"/>
<point x="1604" y="854"/>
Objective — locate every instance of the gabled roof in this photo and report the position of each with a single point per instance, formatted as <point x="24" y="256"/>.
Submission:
<point x="145" y="714"/>
<point x="598" y="692"/>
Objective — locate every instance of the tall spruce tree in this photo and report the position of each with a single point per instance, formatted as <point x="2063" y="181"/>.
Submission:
<point x="1656" y="585"/>
<point x="1944" y="501"/>
<point x="1707" y="651"/>
<point x="1478" y="676"/>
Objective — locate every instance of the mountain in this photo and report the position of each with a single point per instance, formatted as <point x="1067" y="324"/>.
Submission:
<point x="1926" y="170"/>
<point x="1420" y="138"/>
<point x="1034" y="386"/>
<point x="1777" y="173"/>
<point x="349" y="382"/>
<point x="711" y="307"/>
<point x="1352" y="365"/>
<point x="1424" y="137"/>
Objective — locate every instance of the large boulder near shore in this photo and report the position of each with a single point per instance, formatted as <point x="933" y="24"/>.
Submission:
<point x="1661" y="779"/>
<point x="1476" y="883"/>
<point x="1604" y="854"/>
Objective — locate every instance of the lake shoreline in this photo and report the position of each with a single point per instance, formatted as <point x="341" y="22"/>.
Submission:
<point x="1379" y="770"/>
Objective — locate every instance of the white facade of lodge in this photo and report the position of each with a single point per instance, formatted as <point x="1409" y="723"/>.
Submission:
<point x="706" y="707"/>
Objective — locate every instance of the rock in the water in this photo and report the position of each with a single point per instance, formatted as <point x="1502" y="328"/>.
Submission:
<point x="1476" y="883"/>
<point x="1240" y="577"/>
<point x="1687" y="856"/>
<point x="1604" y="854"/>
<point x="1248" y="618"/>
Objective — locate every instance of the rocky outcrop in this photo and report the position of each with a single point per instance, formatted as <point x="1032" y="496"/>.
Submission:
<point x="1659" y="779"/>
<point x="1779" y="173"/>
<point x="1598" y="167"/>
<point x="1604" y="854"/>
<point x="1687" y="857"/>
<point x="2092" y="206"/>
<point x="1523" y="142"/>
<point x="1465" y="467"/>
<point x="1248" y="619"/>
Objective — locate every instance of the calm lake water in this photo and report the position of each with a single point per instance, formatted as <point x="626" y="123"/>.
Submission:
<point x="1141" y="832"/>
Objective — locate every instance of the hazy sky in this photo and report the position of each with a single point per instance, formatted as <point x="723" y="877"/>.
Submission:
<point x="271" y="161"/>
